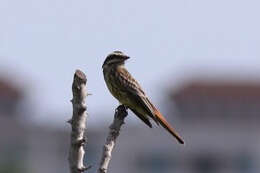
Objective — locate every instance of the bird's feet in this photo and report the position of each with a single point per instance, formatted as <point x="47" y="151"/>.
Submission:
<point x="121" y="110"/>
<point x="121" y="107"/>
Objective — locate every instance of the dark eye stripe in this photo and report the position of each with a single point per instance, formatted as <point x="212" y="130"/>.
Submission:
<point x="111" y="58"/>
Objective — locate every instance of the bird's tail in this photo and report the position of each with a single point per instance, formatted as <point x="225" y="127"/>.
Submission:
<point x="166" y="125"/>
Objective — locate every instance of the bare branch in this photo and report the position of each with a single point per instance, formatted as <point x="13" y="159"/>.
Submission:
<point x="78" y="123"/>
<point x="119" y="117"/>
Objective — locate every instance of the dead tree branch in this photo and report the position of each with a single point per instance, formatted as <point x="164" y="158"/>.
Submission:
<point x="78" y="123"/>
<point x="114" y="130"/>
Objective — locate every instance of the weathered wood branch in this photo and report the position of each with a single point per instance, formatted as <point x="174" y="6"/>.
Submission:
<point x="78" y="123"/>
<point x="114" y="129"/>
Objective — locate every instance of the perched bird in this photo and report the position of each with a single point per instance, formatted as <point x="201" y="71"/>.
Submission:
<point x="128" y="92"/>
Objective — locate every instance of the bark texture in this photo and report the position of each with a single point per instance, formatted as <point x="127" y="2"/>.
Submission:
<point x="114" y="129"/>
<point x="78" y="123"/>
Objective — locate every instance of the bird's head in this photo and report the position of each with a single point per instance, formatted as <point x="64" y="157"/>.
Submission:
<point x="115" y="58"/>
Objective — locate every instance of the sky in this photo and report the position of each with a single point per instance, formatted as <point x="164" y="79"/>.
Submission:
<point x="43" y="42"/>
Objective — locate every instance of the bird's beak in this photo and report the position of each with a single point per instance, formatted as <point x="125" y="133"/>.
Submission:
<point x="127" y="57"/>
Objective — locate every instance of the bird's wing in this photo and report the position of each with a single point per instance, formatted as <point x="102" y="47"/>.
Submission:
<point x="134" y="91"/>
<point x="143" y="118"/>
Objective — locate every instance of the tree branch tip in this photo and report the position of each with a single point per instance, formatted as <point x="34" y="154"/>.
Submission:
<point x="78" y="123"/>
<point x="79" y="74"/>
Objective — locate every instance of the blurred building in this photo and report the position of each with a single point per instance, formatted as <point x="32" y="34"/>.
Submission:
<point x="25" y="147"/>
<point x="221" y="122"/>
<point x="12" y="135"/>
<point x="218" y="120"/>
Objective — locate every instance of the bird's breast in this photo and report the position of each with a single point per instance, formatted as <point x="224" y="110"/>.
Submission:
<point x="111" y="79"/>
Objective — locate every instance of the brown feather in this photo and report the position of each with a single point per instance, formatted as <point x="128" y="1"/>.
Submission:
<point x="167" y="126"/>
<point x="127" y="90"/>
<point x="138" y="96"/>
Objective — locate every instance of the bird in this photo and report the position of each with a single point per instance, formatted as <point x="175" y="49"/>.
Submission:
<point x="129" y="93"/>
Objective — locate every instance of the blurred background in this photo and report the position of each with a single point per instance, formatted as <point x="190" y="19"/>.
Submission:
<point x="197" y="60"/>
